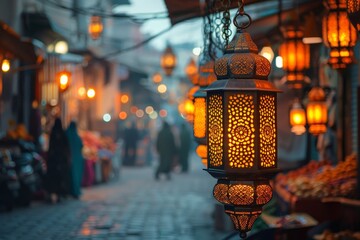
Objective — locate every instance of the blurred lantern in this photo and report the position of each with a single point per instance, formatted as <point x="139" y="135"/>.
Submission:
<point x="312" y="29"/>
<point x="338" y="34"/>
<point x="191" y="69"/>
<point x="316" y="111"/>
<point x="267" y="53"/>
<point x="168" y="61"/>
<point x="295" y="55"/>
<point x="189" y="110"/>
<point x="90" y="93"/>
<point x="242" y="134"/>
<point x="5" y="65"/>
<point x="157" y="78"/>
<point x="124" y="98"/>
<point x="192" y="91"/>
<point x="297" y="118"/>
<point x="201" y="151"/>
<point x="82" y="93"/>
<point x="353" y="9"/>
<point x="96" y="27"/>
<point x="63" y="78"/>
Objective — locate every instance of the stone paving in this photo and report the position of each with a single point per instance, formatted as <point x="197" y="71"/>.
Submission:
<point x="132" y="208"/>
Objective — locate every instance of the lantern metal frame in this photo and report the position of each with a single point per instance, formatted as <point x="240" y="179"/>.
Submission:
<point x="353" y="10"/>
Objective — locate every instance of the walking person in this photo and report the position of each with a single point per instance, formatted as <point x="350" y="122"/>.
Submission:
<point x="58" y="163"/>
<point x="77" y="160"/>
<point x="166" y="148"/>
<point x="131" y="137"/>
<point x="185" y="144"/>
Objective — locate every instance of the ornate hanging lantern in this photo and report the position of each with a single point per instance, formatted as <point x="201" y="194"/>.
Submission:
<point x="242" y="133"/>
<point x="295" y="55"/>
<point x="316" y="111"/>
<point x="338" y="34"/>
<point x="191" y="69"/>
<point x="297" y="118"/>
<point x="96" y="27"/>
<point x="168" y="61"/>
<point x="63" y="78"/>
<point x="199" y="126"/>
<point x="353" y="9"/>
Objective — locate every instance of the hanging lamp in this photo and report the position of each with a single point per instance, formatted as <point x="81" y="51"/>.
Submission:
<point x="242" y="132"/>
<point x="316" y="111"/>
<point x="297" y="118"/>
<point x="338" y="34"/>
<point x="95" y="27"/>
<point x="295" y="55"/>
<point x="168" y="61"/>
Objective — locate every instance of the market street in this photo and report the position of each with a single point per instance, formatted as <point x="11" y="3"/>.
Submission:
<point x="134" y="207"/>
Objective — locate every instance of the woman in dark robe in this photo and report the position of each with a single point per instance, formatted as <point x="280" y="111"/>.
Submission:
<point x="165" y="146"/>
<point x="58" y="163"/>
<point x="77" y="160"/>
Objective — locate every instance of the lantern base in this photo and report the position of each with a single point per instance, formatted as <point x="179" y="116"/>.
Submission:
<point x="241" y="176"/>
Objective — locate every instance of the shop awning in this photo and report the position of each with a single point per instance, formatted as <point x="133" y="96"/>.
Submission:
<point x="12" y="44"/>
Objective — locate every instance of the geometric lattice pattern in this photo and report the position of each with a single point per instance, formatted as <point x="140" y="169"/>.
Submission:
<point x="241" y="131"/>
<point x="220" y="193"/>
<point x="243" y="221"/>
<point x="264" y="194"/>
<point x="240" y="194"/>
<point x="215" y="130"/>
<point x="200" y="117"/>
<point x="267" y="131"/>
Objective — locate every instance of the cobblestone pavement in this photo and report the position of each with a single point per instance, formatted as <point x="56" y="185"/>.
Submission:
<point x="131" y="208"/>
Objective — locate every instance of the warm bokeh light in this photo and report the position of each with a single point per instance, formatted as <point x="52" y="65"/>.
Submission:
<point x="5" y="66"/>
<point x="149" y="109"/>
<point x="95" y="27"/>
<point x="82" y="92"/>
<point x="163" y="113"/>
<point x="124" y="98"/>
<point x="61" y="47"/>
<point x="267" y="52"/>
<point x="139" y="113"/>
<point x="153" y="115"/>
<point x="106" y="117"/>
<point x="64" y="80"/>
<point x="133" y="109"/>
<point x="191" y="68"/>
<point x="122" y="115"/>
<point x="157" y="78"/>
<point x="91" y="93"/>
<point x="279" y="62"/>
<point x="199" y="117"/>
<point x="162" y="88"/>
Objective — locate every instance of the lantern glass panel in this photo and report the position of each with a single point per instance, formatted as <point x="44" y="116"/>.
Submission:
<point x="241" y="130"/>
<point x="200" y="117"/>
<point x="267" y="131"/>
<point x="215" y="130"/>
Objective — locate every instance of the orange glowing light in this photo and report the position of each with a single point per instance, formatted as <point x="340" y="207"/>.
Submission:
<point x="163" y="113"/>
<point x="157" y="78"/>
<point x="297" y="118"/>
<point x="168" y="61"/>
<point x="316" y="111"/>
<point x="122" y="115"/>
<point x="124" y="98"/>
<point x="96" y="27"/>
<point x="64" y="80"/>
<point x="5" y="66"/>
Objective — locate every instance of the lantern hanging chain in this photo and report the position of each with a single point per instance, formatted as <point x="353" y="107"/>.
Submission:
<point x="241" y="13"/>
<point x="217" y="24"/>
<point x="226" y="21"/>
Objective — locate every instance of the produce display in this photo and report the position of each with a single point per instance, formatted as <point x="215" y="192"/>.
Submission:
<point x="344" y="235"/>
<point x="96" y="146"/>
<point x="320" y="179"/>
<point x="17" y="132"/>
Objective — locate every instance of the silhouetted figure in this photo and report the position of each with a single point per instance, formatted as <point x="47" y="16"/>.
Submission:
<point x="185" y="144"/>
<point x="77" y="159"/>
<point x="166" y="148"/>
<point x="131" y="137"/>
<point x="58" y="162"/>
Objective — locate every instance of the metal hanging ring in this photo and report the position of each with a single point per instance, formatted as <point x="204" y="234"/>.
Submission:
<point x="242" y="25"/>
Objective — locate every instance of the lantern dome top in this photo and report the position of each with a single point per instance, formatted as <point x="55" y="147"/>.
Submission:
<point x="316" y="94"/>
<point x="206" y="74"/>
<point x="241" y="60"/>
